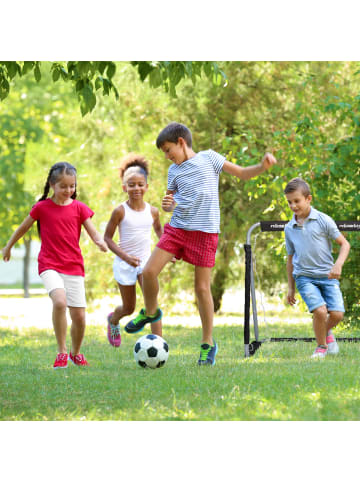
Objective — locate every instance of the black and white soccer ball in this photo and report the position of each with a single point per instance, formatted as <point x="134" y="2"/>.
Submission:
<point x="151" y="351"/>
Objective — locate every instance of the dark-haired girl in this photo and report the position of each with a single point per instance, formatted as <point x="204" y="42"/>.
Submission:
<point x="134" y="219"/>
<point x="60" y="262"/>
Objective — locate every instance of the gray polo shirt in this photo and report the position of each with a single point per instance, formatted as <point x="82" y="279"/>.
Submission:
<point x="311" y="244"/>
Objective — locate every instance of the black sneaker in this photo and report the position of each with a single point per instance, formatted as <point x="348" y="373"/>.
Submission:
<point x="138" y="323"/>
<point x="208" y="354"/>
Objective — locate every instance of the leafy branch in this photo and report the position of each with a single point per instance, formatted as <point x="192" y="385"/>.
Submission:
<point x="90" y="77"/>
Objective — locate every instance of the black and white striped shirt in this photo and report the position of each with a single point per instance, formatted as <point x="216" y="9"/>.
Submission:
<point x="196" y="186"/>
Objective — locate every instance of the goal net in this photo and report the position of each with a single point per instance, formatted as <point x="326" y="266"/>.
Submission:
<point x="265" y="242"/>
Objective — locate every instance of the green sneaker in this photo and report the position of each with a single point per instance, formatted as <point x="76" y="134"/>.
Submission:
<point x="208" y="354"/>
<point x="136" y="325"/>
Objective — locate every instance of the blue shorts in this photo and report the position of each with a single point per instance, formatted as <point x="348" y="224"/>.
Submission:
<point x="318" y="292"/>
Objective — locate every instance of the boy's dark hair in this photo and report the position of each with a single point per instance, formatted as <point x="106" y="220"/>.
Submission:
<point x="297" y="184"/>
<point x="172" y="132"/>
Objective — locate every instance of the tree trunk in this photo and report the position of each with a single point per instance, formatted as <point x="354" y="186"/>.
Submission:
<point x="218" y="287"/>
<point x="26" y="266"/>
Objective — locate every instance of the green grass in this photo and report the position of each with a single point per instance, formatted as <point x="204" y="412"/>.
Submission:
<point x="279" y="383"/>
<point x="15" y="286"/>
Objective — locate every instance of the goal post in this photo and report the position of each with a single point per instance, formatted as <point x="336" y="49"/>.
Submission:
<point x="250" y="291"/>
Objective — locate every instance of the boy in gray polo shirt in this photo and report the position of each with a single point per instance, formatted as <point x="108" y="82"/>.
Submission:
<point x="310" y="265"/>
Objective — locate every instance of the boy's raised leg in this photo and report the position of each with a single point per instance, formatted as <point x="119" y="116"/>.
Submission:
<point x="151" y="313"/>
<point x="320" y="324"/>
<point x="153" y="268"/>
<point x="334" y="318"/>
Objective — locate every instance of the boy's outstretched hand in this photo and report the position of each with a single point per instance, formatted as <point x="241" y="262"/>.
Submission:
<point x="268" y="161"/>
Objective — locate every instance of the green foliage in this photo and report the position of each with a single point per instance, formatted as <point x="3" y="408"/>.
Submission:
<point x="17" y="128"/>
<point x="25" y="122"/>
<point x="306" y="113"/>
<point x="324" y="146"/>
<point x="169" y="74"/>
<point x="87" y="78"/>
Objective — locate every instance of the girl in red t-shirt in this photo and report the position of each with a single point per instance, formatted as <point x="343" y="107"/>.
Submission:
<point x="61" y="265"/>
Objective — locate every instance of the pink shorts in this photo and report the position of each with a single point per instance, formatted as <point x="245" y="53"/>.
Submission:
<point x="194" y="247"/>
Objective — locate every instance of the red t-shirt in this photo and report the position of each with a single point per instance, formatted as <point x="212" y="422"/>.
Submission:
<point x="60" y="228"/>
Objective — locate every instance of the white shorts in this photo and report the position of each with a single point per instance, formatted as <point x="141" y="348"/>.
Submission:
<point x="124" y="273"/>
<point x="74" y="286"/>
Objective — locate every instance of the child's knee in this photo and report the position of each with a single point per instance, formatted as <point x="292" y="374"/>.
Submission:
<point x="58" y="298"/>
<point x="149" y="273"/>
<point x="337" y="316"/>
<point x="59" y="303"/>
<point x="128" y="309"/>
<point x="78" y="316"/>
<point x="202" y="289"/>
<point x="321" y="311"/>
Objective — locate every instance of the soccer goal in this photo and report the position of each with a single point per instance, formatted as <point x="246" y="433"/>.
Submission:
<point x="257" y="258"/>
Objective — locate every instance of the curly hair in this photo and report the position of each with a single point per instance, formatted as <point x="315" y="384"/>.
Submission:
<point x="135" y="161"/>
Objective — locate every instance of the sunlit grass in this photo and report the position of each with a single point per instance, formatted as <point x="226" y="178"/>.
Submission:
<point x="280" y="382"/>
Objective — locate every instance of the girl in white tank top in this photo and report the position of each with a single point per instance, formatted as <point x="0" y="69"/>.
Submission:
<point x="135" y="231"/>
<point x="134" y="220"/>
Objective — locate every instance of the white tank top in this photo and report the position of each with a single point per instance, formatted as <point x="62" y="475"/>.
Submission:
<point x="135" y="231"/>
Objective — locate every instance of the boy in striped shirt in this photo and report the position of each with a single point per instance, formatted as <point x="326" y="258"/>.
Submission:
<point x="192" y="234"/>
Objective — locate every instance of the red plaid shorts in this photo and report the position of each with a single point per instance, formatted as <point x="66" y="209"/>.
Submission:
<point x="194" y="247"/>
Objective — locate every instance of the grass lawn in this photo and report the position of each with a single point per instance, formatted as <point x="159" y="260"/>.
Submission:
<point x="279" y="383"/>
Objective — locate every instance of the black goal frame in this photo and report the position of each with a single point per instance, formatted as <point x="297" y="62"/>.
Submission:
<point x="251" y="347"/>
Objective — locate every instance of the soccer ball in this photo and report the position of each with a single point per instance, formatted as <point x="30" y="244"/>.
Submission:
<point x="151" y="351"/>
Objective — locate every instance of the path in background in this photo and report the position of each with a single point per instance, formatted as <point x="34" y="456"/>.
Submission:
<point x="36" y="312"/>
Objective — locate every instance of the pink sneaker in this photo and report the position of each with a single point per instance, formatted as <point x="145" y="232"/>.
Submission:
<point x="113" y="333"/>
<point x="320" y="352"/>
<point x="78" y="360"/>
<point x="333" y="347"/>
<point x="61" y="361"/>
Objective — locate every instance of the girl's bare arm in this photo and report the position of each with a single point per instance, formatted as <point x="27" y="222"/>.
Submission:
<point x="18" y="234"/>
<point x="116" y="217"/>
<point x="156" y="224"/>
<point x="94" y="235"/>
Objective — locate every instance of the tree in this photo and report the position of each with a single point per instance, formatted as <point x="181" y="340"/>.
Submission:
<point x="87" y="78"/>
<point x="18" y="128"/>
<point x="23" y="122"/>
<point x="266" y="105"/>
<point x="33" y="110"/>
<point x="324" y="145"/>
